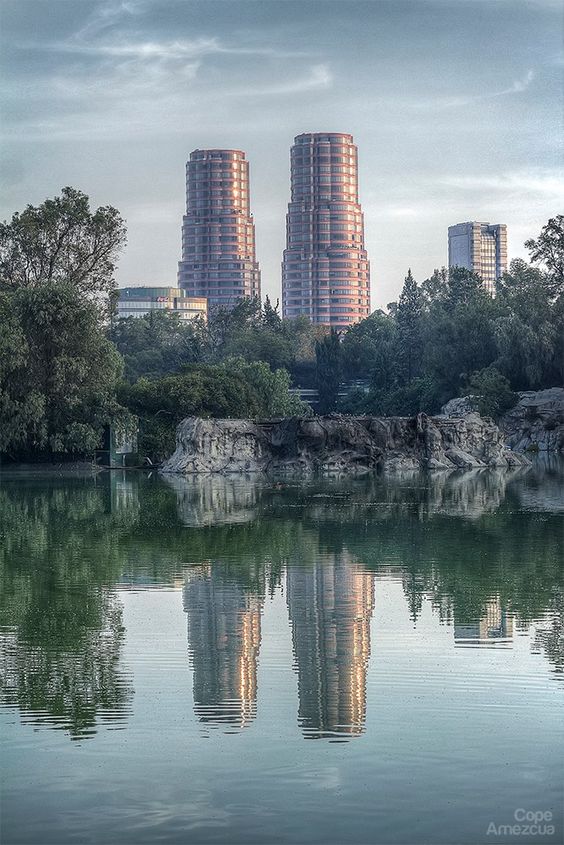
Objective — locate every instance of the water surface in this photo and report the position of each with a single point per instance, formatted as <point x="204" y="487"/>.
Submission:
<point x="231" y="660"/>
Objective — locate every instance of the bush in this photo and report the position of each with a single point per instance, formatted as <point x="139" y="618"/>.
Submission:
<point x="493" y="392"/>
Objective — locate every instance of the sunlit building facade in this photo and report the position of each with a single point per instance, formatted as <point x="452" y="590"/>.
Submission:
<point x="325" y="269"/>
<point x="480" y="247"/>
<point x="141" y="300"/>
<point x="218" y="232"/>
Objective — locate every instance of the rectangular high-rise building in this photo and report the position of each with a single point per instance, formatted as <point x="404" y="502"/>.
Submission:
<point x="325" y="269"/>
<point x="218" y="232"/>
<point x="480" y="247"/>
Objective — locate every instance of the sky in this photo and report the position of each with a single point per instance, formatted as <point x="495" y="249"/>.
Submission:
<point x="455" y="105"/>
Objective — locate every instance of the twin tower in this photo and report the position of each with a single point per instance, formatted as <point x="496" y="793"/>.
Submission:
<point x="325" y="268"/>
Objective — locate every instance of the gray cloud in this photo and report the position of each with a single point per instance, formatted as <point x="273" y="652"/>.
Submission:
<point x="455" y="105"/>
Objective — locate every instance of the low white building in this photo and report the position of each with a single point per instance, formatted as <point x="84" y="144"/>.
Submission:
<point x="138" y="301"/>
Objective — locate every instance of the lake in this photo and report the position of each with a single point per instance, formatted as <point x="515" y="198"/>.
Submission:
<point x="236" y="660"/>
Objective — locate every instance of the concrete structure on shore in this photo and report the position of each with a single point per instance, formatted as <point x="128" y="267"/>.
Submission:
<point x="325" y="269"/>
<point x="141" y="300"/>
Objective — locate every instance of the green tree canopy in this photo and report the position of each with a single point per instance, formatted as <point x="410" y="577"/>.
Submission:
<point x="58" y="390"/>
<point x="158" y="343"/>
<point x="548" y="249"/>
<point x="58" y="370"/>
<point x="62" y="241"/>
<point x="329" y="360"/>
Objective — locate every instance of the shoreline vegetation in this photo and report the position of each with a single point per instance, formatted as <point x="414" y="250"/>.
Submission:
<point x="68" y="368"/>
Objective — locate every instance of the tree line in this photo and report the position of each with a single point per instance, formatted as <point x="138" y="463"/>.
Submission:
<point x="68" y="367"/>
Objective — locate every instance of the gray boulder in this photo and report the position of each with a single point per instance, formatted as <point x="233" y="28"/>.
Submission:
<point x="536" y="423"/>
<point x="461" y="406"/>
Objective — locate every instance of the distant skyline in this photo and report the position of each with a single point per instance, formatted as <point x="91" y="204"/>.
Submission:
<point x="455" y="106"/>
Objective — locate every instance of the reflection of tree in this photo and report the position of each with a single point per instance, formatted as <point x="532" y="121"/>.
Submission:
<point x="549" y="635"/>
<point x="60" y="652"/>
<point x="66" y="542"/>
<point x="68" y="689"/>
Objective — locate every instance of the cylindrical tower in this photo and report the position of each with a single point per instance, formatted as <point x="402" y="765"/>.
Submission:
<point x="218" y="232"/>
<point x="325" y="271"/>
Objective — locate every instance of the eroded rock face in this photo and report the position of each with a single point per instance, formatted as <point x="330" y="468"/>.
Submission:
<point x="338" y="445"/>
<point x="460" y="406"/>
<point x="536" y="422"/>
<point x="226" y="446"/>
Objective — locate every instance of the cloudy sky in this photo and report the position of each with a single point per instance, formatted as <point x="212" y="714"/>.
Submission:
<point x="456" y="107"/>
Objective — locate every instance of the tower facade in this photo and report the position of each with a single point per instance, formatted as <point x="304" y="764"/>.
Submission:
<point x="480" y="247"/>
<point x="325" y="270"/>
<point x="218" y="232"/>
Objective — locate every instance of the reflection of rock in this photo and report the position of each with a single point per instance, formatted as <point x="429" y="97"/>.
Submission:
<point x="543" y="488"/>
<point x="224" y="632"/>
<point x="213" y="500"/>
<point x="226" y="500"/>
<point x="494" y="627"/>
<point x="469" y="494"/>
<point x="330" y="605"/>
<point x="335" y="445"/>
<point x="537" y="421"/>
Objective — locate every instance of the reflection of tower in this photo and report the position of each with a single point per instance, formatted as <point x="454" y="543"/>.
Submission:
<point x="330" y="606"/>
<point x="494" y="626"/>
<point x="224" y="640"/>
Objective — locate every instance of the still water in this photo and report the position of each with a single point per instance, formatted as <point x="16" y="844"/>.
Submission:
<point x="238" y="661"/>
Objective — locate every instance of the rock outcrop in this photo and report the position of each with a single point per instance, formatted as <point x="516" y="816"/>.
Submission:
<point x="337" y="445"/>
<point x="536" y="423"/>
<point x="461" y="406"/>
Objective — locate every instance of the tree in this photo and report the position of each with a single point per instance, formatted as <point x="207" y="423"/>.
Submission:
<point x="329" y="370"/>
<point x="435" y="287"/>
<point x="529" y="331"/>
<point x="459" y="339"/>
<point x="225" y="324"/>
<point x="493" y="392"/>
<point x="463" y="285"/>
<point x="62" y="241"/>
<point x="20" y="410"/>
<point x="367" y="346"/>
<point x="548" y="249"/>
<point x="158" y="343"/>
<point x="272" y="388"/>
<point x="271" y="315"/>
<point x="408" y="318"/>
<point x="58" y="392"/>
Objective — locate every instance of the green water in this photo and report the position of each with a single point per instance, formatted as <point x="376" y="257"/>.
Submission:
<point x="238" y="661"/>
